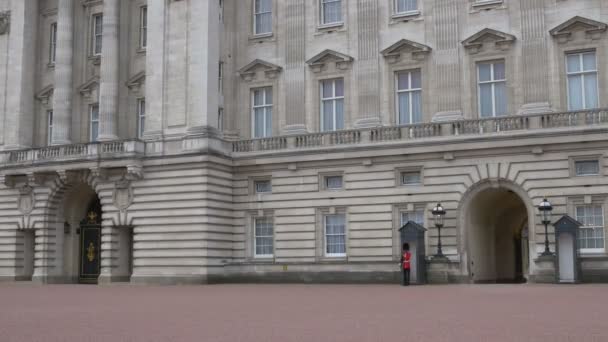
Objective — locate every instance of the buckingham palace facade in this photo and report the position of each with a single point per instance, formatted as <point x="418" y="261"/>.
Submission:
<point x="202" y="141"/>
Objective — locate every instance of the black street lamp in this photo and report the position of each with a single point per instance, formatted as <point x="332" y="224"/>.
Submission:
<point x="545" y="209"/>
<point x="438" y="215"/>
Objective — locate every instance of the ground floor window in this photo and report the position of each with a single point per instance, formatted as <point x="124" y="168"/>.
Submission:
<point x="591" y="233"/>
<point x="335" y="235"/>
<point x="264" y="237"/>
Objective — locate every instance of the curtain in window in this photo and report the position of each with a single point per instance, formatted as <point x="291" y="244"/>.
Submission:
<point x="332" y="11"/>
<point x="575" y="92"/>
<point x="328" y="115"/>
<point x="406" y="5"/>
<point x="339" y="114"/>
<point x="263" y="237"/>
<point x="258" y="114"/>
<point x="335" y="234"/>
<point x="500" y="96"/>
<point x="485" y="100"/>
<point x="591" y="100"/>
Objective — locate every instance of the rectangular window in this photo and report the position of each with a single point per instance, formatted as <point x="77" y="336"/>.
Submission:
<point x="262" y="16"/>
<point x="262" y="186"/>
<point x="492" y="89"/>
<point x="264" y="237"/>
<point x="332" y="105"/>
<point x="220" y="119"/>
<point x="581" y="69"/>
<point x="220" y="78"/>
<point x="141" y="117"/>
<point x="409" y="97"/>
<point x="415" y="216"/>
<point x="331" y="12"/>
<point x="261" y="99"/>
<point x="333" y="182"/>
<point x="591" y="233"/>
<point x="411" y="178"/>
<point x="143" y="27"/>
<point x="94" y="122"/>
<point x="49" y="130"/>
<point x="404" y="6"/>
<point x="587" y="167"/>
<point x="335" y="235"/>
<point x="96" y="34"/>
<point x="53" y="43"/>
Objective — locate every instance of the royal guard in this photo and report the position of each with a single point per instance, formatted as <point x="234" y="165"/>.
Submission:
<point x="406" y="256"/>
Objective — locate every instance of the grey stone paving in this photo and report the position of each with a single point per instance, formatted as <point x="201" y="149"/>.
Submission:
<point x="304" y="313"/>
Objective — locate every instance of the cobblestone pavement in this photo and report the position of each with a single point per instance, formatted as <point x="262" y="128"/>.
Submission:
<point x="287" y="313"/>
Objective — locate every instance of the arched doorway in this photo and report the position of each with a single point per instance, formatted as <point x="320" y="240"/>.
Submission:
<point x="496" y="221"/>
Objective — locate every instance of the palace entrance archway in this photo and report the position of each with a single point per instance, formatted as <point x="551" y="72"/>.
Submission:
<point x="496" y="222"/>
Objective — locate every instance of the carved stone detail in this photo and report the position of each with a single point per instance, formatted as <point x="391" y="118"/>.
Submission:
<point x="319" y="61"/>
<point x="26" y="199"/>
<point x="123" y="194"/>
<point x="249" y="71"/>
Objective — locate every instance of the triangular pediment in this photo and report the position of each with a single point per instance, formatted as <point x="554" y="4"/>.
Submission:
<point x="329" y="56"/>
<point x="488" y="35"/>
<point x="578" y="23"/>
<point x="257" y="65"/>
<point x="45" y="93"/>
<point x="417" y="50"/>
<point x="89" y="86"/>
<point x="137" y="80"/>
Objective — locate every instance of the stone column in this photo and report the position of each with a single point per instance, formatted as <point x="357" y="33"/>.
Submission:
<point x="108" y="87"/>
<point x="295" y="67"/>
<point x="155" y="69"/>
<point x="203" y="66"/>
<point x="19" y="120"/>
<point x="62" y="94"/>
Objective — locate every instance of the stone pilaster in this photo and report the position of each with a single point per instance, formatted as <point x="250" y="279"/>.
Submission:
<point x="203" y="66"/>
<point x="108" y="87"/>
<point x="368" y="67"/>
<point x="62" y="93"/>
<point x="19" y="111"/>
<point x="295" y="67"/>
<point x="155" y="69"/>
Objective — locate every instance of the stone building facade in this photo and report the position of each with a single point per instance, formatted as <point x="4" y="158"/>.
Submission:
<point x="289" y="140"/>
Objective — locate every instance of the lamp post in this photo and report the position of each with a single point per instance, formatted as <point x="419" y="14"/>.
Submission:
<point x="545" y="209"/>
<point x="438" y="215"/>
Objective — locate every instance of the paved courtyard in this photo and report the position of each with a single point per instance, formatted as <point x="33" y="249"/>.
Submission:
<point x="286" y="313"/>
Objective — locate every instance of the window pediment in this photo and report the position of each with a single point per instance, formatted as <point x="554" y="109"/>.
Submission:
<point x="490" y="37"/>
<point x="394" y="52"/>
<point x="322" y="59"/>
<point x="137" y="81"/>
<point x="564" y="32"/>
<point x="89" y="87"/>
<point x="249" y="71"/>
<point x="45" y="94"/>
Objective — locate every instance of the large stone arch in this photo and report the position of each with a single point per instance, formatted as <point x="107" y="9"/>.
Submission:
<point x="464" y="208"/>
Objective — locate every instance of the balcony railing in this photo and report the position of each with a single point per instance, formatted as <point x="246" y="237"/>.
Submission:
<point x="91" y="151"/>
<point x="472" y="127"/>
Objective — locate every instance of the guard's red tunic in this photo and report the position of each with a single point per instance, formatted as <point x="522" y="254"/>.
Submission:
<point x="407" y="256"/>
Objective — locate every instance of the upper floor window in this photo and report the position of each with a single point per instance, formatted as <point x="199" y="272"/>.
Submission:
<point x="492" y="92"/>
<point x="261" y="99"/>
<point x="591" y="233"/>
<point x="331" y="12"/>
<point x="262" y="16"/>
<point x="141" y="117"/>
<point x="143" y="27"/>
<point x="587" y="167"/>
<point x="263" y="237"/>
<point x="335" y="235"/>
<point x="53" y="43"/>
<point x="581" y="69"/>
<point x="405" y="6"/>
<point x="96" y="34"/>
<point x="262" y="186"/>
<point x="94" y="122"/>
<point x="220" y="77"/>
<point x="409" y="97"/>
<point x="49" y="130"/>
<point x="220" y="119"/>
<point x="416" y="216"/>
<point x="332" y="104"/>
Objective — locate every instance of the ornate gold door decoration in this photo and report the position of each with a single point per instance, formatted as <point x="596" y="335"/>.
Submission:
<point x="92" y="216"/>
<point x="91" y="252"/>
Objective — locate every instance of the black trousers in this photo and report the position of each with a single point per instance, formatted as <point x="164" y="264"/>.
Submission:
<point x="405" y="281"/>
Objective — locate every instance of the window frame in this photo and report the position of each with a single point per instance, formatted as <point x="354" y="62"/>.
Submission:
<point x="493" y="83"/>
<point x="91" y="121"/>
<point x="415" y="211"/>
<point x="262" y="180"/>
<point x="265" y="106"/>
<point x="53" y="44"/>
<point x="603" y="228"/>
<point x="255" y="18"/>
<point x="141" y="116"/>
<point x="323" y="177"/>
<point x="410" y="92"/>
<point x="396" y="12"/>
<point x="586" y="161"/>
<point x="49" y="127"/>
<point x="581" y="158"/>
<point x="143" y="27"/>
<point x="96" y="35"/>
<point x="254" y="235"/>
<point x="322" y="22"/>
<point x="582" y="73"/>
<point x="325" y="235"/>
<point x="334" y="99"/>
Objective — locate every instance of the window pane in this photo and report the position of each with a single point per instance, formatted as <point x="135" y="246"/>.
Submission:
<point x="404" y="108"/>
<point x="591" y="100"/>
<point x="268" y="96"/>
<point x="484" y="72"/>
<point x="416" y="107"/>
<point x="499" y="71"/>
<point x="339" y="114"/>
<point x="500" y="93"/>
<point x="327" y="89"/>
<point x="403" y="81"/>
<point x="258" y="115"/>
<point x="339" y="87"/>
<point x="258" y="97"/>
<point x="589" y="61"/>
<point x="485" y="100"/>
<point x="575" y="92"/>
<point x="410" y="178"/>
<point x="268" y="128"/>
<point x="583" y="168"/>
<point x="328" y="116"/>
<point x="263" y="186"/>
<point x="416" y="80"/>
<point x="94" y="131"/>
<point x="573" y="63"/>
<point x="332" y="12"/>
<point x="333" y="182"/>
